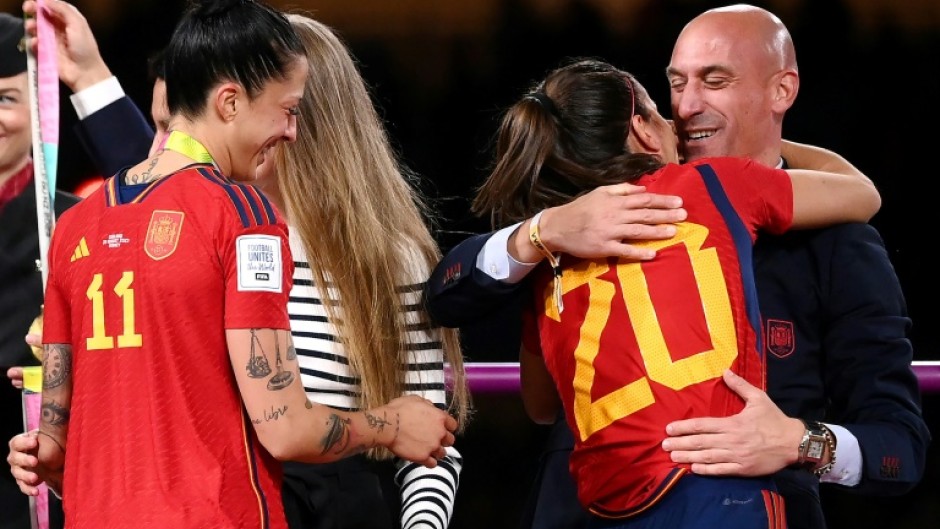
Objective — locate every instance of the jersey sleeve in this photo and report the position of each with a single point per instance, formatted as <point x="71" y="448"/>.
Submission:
<point x="257" y="263"/>
<point x="765" y="193"/>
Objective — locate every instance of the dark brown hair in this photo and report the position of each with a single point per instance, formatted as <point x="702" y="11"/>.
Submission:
<point x="563" y="138"/>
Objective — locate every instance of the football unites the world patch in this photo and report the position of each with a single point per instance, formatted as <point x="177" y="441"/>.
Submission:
<point x="259" y="263"/>
<point x="163" y="233"/>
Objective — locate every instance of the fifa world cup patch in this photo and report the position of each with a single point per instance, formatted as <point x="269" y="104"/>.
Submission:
<point x="163" y="234"/>
<point x="259" y="263"/>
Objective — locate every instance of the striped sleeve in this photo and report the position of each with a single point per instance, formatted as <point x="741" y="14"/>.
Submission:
<point x="427" y="494"/>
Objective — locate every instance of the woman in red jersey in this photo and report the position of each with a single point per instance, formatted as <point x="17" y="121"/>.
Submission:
<point x="627" y="347"/>
<point x="171" y="388"/>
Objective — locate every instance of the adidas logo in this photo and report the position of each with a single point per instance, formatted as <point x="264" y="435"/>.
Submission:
<point x="80" y="251"/>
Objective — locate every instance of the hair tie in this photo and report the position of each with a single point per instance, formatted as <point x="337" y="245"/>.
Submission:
<point x="544" y="101"/>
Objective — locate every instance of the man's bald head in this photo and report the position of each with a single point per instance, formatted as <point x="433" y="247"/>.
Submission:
<point x="733" y="77"/>
<point x="755" y="28"/>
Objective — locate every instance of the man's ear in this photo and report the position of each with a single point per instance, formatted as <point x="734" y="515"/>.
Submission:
<point x="226" y="100"/>
<point x="785" y="90"/>
<point x="644" y="137"/>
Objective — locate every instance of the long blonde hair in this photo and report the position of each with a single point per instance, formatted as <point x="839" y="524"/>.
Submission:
<point x="360" y="221"/>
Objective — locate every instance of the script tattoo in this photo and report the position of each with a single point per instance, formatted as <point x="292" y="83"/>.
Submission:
<point x="56" y="365"/>
<point x="54" y="414"/>
<point x="273" y="415"/>
<point x="146" y="176"/>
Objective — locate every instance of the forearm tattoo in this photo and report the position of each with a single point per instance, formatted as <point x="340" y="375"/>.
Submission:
<point x="56" y="365"/>
<point x="337" y="435"/>
<point x="376" y="423"/>
<point x="282" y="377"/>
<point x="54" y="414"/>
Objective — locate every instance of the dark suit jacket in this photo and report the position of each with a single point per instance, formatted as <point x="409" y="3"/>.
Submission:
<point x="836" y="327"/>
<point x="116" y="136"/>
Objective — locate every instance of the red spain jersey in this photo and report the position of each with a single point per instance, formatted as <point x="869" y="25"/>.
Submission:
<point x="143" y="284"/>
<point x="641" y="344"/>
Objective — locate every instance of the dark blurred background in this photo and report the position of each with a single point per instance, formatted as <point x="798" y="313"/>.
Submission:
<point x="441" y="71"/>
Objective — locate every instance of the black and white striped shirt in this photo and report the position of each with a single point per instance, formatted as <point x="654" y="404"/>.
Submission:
<point x="427" y="493"/>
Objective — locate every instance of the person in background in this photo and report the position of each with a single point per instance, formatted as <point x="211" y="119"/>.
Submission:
<point x="225" y="120"/>
<point x="104" y="110"/>
<point x="838" y="351"/>
<point x="361" y="253"/>
<point x="625" y="346"/>
<point x="106" y="116"/>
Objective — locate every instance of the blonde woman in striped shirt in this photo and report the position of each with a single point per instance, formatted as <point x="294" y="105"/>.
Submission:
<point x="362" y="253"/>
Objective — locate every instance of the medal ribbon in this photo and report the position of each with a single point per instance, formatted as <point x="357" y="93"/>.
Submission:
<point x="188" y="146"/>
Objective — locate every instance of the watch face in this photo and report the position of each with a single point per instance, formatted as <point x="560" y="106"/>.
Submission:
<point x="815" y="449"/>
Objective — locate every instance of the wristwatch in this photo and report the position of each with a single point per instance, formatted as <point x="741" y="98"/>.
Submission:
<point x="817" y="439"/>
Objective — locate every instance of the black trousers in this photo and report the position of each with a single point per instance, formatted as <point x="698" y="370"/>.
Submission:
<point x="553" y="498"/>
<point x="342" y="495"/>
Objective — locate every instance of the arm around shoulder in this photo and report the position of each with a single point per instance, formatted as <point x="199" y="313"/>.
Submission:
<point x="827" y="189"/>
<point x="458" y="293"/>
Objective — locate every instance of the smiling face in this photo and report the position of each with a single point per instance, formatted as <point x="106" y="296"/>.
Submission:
<point x="15" y="130"/>
<point x="725" y="83"/>
<point x="266" y="121"/>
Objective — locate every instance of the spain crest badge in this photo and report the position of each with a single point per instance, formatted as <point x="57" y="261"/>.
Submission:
<point x="163" y="234"/>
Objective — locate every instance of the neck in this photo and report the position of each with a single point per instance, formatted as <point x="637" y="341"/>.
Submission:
<point x="11" y="170"/>
<point x="179" y="150"/>
<point x="769" y="157"/>
<point x="182" y="143"/>
<point x="208" y="142"/>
